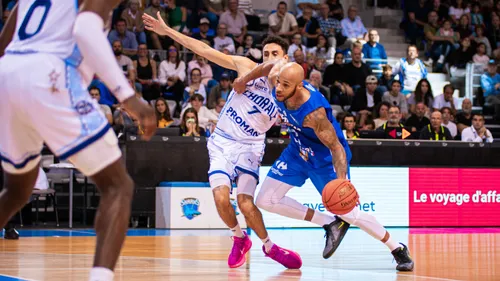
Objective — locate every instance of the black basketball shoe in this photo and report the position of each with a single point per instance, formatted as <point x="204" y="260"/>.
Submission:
<point x="335" y="232"/>
<point x="403" y="258"/>
<point x="10" y="233"/>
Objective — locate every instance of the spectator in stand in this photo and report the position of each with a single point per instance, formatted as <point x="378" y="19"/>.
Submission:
<point x="147" y="74"/>
<point x="385" y="81"/>
<point x="303" y="4"/>
<point x="395" y="97"/>
<point x="296" y="45"/>
<point x="202" y="34"/>
<point x="189" y="125"/>
<point x="353" y="28"/>
<point x="152" y="10"/>
<point x="464" y="118"/>
<point x="195" y="86"/>
<point x="374" y="51"/>
<point x="477" y="132"/>
<point x="442" y="40"/>
<point x="365" y="100"/>
<point x="423" y="94"/>
<point x="133" y="19"/>
<point x="460" y="57"/>
<point x="457" y="9"/>
<point x="330" y="27"/>
<point x="416" y="16"/>
<point x="163" y="116"/>
<point x="336" y="9"/>
<point x="435" y="131"/>
<point x="315" y="79"/>
<point x="481" y="38"/>
<point x="332" y="80"/>
<point x="490" y="84"/>
<point x="220" y="91"/>
<point x="205" y="117"/>
<point x="236" y="22"/>
<point x="410" y="70"/>
<point x="393" y="123"/>
<point x="480" y="57"/>
<point x="202" y="65"/>
<point x="123" y="61"/>
<point x="349" y="126"/>
<point x="381" y="114"/>
<point x="95" y="93"/>
<point x="282" y="23"/>
<point x="248" y="49"/>
<point x="476" y="16"/>
<point x="298" y="56"/>
<point x="218" y="107"/>
<point x="222" y="41"/>
<point x="309" y="27"/>
<point x="253" y="19"/>
<point x="464" y="29"/>
<point x="356" y="72"/>
<point x="172" y="74"/>
<point x="311" y="64"/>
<point x="447" y="117"/>
<point x="494" y="32"/>
<point x="214" y="9"/>
<point x="441" y="11"/>
<point x="418" y="121"/>
<point x="105" y="94"/>
<point x="177" y="17"/>
<point x="126" y="38"/>
<point x="446" y="99"/>
<point x="323" y="50"/>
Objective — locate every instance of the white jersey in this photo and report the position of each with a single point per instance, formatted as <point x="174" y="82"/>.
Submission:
<point x="247" y="117"/>
<point x="45" y="27"/>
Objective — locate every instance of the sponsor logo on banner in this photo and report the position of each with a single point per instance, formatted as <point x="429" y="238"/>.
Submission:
<point x="234" y="203"/>
<point x="190" y="208"/>
<point x="454" y="197"/>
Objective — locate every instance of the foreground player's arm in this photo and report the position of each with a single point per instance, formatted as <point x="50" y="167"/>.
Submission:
<point x="271" y="69"/>
<point x="318" y="121"/>
<point x="8" y="31"/>
<point x="238" y="63"/>
<point x="96" y="50"/>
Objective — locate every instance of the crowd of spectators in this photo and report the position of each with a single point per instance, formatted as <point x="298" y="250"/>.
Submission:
<point x="341" y="58"/>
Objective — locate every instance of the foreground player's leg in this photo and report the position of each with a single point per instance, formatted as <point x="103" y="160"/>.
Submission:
<point x="17" y="188"/>
<point x="370" y="225"/>
<point x="272" y="199"/>
<point x="246" y="189"/>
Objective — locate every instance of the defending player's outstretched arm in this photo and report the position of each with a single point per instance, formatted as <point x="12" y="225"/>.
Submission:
<point x="318" y="121"/>
<point x="271" y="69"/>
<point x="238" y="63"/>
<point x="8" y="30"/>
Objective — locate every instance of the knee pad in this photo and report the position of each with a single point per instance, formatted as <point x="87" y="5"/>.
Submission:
<point x="246" y="184"/>
<point x="219" y="179"/>
<point x="352" y="216"/>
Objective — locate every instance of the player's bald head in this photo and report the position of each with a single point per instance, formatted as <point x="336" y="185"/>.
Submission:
<point x="292" y="72"/>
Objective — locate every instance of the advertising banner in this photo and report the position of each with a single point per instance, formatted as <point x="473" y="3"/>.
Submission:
<point x="454" y="197"/>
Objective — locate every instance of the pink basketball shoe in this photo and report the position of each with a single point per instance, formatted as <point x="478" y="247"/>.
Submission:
<point x="287" y="258"/>
<point x="238" y="254"/>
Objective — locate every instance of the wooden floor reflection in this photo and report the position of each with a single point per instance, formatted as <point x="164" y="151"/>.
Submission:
<point x="202" y="255"/>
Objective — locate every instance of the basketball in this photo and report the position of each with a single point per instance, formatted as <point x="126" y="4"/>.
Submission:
<point x="340" y="196"/>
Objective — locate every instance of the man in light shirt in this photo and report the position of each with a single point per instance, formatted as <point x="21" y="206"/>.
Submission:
<point x="446" y="99"/>
<point x="235" y="20"/>
<point x="410" y="70"/>
<point x="477" y="132"/>
<point x="446" y="112"/>
<point x="353" y="28"/>
<point x="282" y="23"/>
<point x="296" y="44"/>
<point x="222" y="41"/>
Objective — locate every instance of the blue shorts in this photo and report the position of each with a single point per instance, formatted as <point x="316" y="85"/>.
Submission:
<point x="291" y="169"/>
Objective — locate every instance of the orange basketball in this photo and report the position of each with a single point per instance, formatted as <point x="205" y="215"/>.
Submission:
<point x="340" y="197"/>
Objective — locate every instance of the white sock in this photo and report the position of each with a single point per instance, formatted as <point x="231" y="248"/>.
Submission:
<point x="391" y="244"/>
<point x="97" y="53"/>
<point x="237" y="231"/>
<point x="366" y="222"/>
<point x="268" y="244"/>
<point x="101" y="274"/>
<point x="321" y="219"/>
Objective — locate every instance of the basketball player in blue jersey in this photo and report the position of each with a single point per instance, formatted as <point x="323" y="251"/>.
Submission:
<point x="317" y="151"/>
<point x="44" y="100"/>
<point x="237" y="146"/>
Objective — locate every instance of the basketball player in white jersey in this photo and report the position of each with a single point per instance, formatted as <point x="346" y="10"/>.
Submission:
<point x="44" y="100"/>
<point x="237" y="145"/>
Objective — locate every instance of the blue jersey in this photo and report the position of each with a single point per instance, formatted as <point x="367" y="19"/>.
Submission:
<point x="303" y="139"/>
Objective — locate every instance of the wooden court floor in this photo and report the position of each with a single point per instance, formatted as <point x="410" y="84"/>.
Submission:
<point x="440" y="254"/>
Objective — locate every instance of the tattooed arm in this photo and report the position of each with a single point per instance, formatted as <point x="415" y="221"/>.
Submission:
<point x="318" y="121"/>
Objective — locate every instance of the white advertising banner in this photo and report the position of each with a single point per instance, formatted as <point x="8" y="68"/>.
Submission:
<point x="383" y="193"/>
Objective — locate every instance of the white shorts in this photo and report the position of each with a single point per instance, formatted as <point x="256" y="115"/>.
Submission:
<point x="231" y="158"/>
<point x="43" y="100"/>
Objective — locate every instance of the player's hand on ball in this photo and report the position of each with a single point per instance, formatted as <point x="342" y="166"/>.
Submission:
<point x="239" y="85"/>
<point x="144" y="113"/>
<point x="156" y="25"/>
